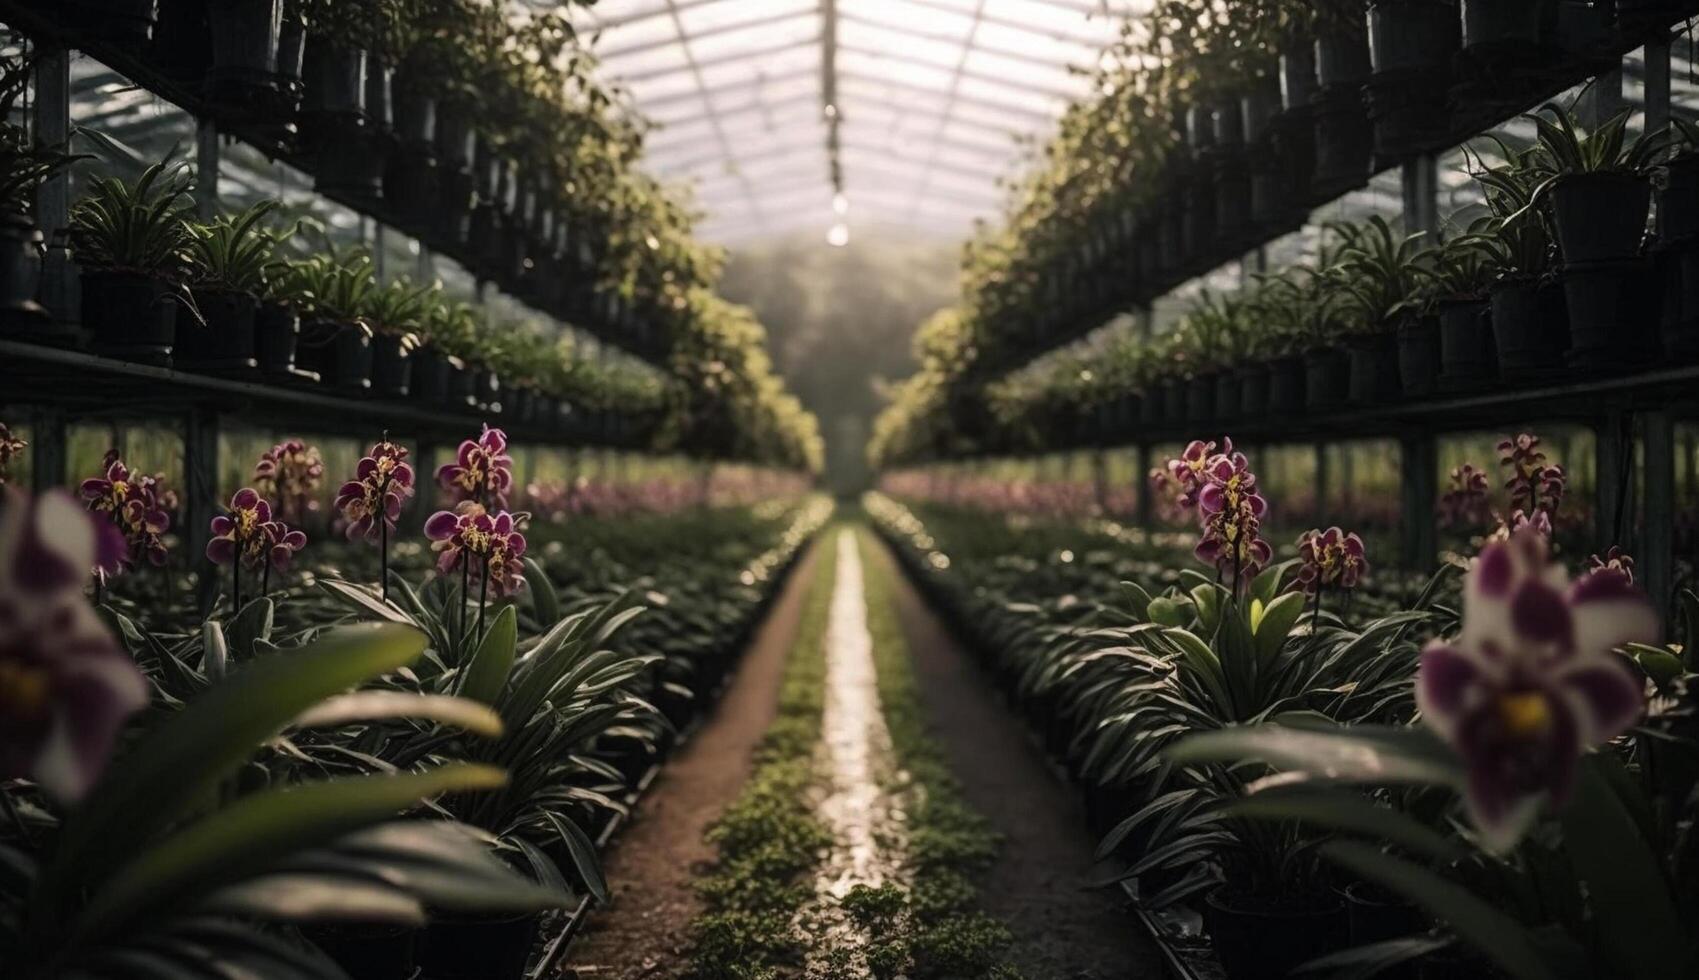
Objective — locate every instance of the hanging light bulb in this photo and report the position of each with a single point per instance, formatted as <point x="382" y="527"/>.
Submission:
<point x="838" y="237"/>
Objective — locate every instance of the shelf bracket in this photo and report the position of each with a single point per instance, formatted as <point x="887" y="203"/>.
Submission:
<point x="207" y="154"/>
<point x="200" y="498"/>
<point x="1420" y="484"/>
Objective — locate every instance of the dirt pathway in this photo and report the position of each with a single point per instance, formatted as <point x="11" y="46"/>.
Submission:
<point x="644" y="931"/>
<point x="1063" y="931"/>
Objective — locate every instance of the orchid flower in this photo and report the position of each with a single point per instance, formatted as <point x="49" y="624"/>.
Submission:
<point x="66" y="686"/>
<point x="469" y="537"/>
<point x="137" y="505"/>
<point x="1614" y="560"/>
<point x="482" y="470"/>
<point x="290" y="473"/>
<point x="371" y="502"/>
<point x="1330" y="559"/>
<point x="1532" y="683"/>
<point x="11" y="447"/>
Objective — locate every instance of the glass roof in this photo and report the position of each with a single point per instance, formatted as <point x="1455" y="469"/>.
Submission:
<point x="931" y="98"/>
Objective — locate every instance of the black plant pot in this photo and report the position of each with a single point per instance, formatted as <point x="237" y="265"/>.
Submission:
<point x="456" y="136"/>
<point x="126" y="22"/>
<point x="291" y="67"/>
<point x="1198" y="242"/>
<point x="461" y="387"/>
<point x="341" y="353"/>
<point x="1374" y="916"/>
<point x="245" y="38"/>
<point x="453" y="222"/>
<point x="1150" y="409"/>
<point x="224" y="342"/>
<point x="486" y="386"/>
<point x="1678" y="200"/>
<point x="1344" y="145"/>
<point x="369" y="952"/>
<point x="1374" y="368"/>
<point x="20" y="269"/>
<point x="1233" y="199"/>
<point x="1342" y="62"/>
<point x="130" y="315"/>
<point x="410" y="186"/>
<point x="1678" y="269"/>
<point x="351" y="159"/>
<point x="1609" y="325"/>
<point x="1174" y="402"/>
<point x="1327" y="379"/>
<point x="392" y="365"/>
<point x="430" y="381"/>
<point x="1418" y="355"/>
<point x="1253" y="391"/>
<point x="334" y="76"/>
<point x="1530" y="328"/>
<point x="1600" y="217"/>
<point x="1507" y="29"/>
<point x="1200" y="400"/>
<point x="1639" y="16"/>
<point x="380" y="97"/>
<point x="1467" y="355"/>
<point x="1287" y="385"/>
<point x="1227" y="391"/>
<point x="1264" y="941"/>
<point x="277" y="330"/>
<point x="1411" y="45"/>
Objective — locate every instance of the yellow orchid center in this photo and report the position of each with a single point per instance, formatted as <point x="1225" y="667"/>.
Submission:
<point x="23" y="690"/>
<point x="1525" y="712"/>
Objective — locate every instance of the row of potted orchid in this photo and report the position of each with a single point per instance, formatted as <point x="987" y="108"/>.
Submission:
<point x="1557" y="277"/>
<point x="479" y="128"/>
<point x="183" y="793"/>
<point x="1333" y="782"/>
<point x="1217" y="126"/>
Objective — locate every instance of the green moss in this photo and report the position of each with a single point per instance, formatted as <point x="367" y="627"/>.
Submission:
<point x="768" y="840"/>
<point x="934" y="927"/>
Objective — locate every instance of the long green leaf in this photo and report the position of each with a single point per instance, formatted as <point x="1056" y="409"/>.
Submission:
<point x="486" y="675"/>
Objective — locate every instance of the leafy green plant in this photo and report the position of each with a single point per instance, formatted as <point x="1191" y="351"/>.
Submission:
<point x="401" y="307"/>
<point x="172" y="855"/>
<point x="235" y="252"/>
<point x="136" y="227"/>
<point x="331" y="285"/>
<point x="1566" y="149"/>
<point x="1380" y="272"/>
<point x="24" y="164"/>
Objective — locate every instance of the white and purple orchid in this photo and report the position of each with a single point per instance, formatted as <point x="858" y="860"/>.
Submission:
<point x="1330" y="559"/>
<point x="66" y="686"/>
<point x="1531" y="683"/>
<point x="482" y="471"/>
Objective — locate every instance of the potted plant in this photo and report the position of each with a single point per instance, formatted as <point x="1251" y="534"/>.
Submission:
<point x="1460" y="284"/>
<point x="440" y="375"/>
<point x="1344" y="140"/>
<point x="1507" y="43"/>
<point x="1529" y="318"/>
<point x="130" y="239"/>
<point x="1381" y="275"/>
<point x="1411" y="44"/>
<point x="1597" y="188"/>
<point x="334" y="111"/>
<point x="244" y="75"/>
<point x="396" y="313"/>
<point x="24" y="165"/>
<point x="331" y="291"/>
<point x="229" y="258"/>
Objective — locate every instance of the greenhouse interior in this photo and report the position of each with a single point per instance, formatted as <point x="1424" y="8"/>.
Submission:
<point x="832" y="489"/>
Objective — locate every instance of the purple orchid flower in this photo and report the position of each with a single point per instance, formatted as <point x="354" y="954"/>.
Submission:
<point x="1330" y="559"/>
<point x="482" y="471"/>
<point x="290" y="473"/>
<point x="382" y="482"/>
<point x="473" y="537"/>
<point x="1614" y="560"/>
<point x="234" y="533"/>
<point x="1466" y="503"/>
<point x="11" y="447"/>
<point x="66" y="686"/>
<point x="1187" y="471"/>
<point x="137" y="505"/>
<point x="1532" y="683"/>
<point x="279" y="544"/>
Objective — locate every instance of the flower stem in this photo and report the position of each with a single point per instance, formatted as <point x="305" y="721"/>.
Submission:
<point x="465" y="593"/>
<point x="383" y="548"/>
<point x="483" y="593"/>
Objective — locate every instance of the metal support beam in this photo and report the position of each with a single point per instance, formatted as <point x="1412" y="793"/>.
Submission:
<point x="1420" y="488"/>
<point x="1600" y="100"/>
<point x="1655" y="553"/>
<point x="1612" y="479"/>
<point x="206" y="169"/>
<point x="1420" y="176"/>
<point x="1321" y="482"/>
<point x="201" y="499"/>
<point x="53" y="128"/>
<point x="47" y="448"/>
<point x="1141" y="481"/>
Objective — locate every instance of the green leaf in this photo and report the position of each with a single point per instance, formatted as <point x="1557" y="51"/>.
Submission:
<point x="361" y="706"/>
<point x="1352" y="812"/>
<point x="1501" y="938"/>
<point x="1278" y="618"/>
<point x="486" y="676"/>
<point x="215" y="656"/>
<point x="255" y="832"/>
<point x="583" y="854"/>
<point x="545" y="602"/>
<point x="1628" y="892"/>
<point x="177" y="766"/>
<point x="1165" y="611"/>
<point x="1354" y="754"/>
